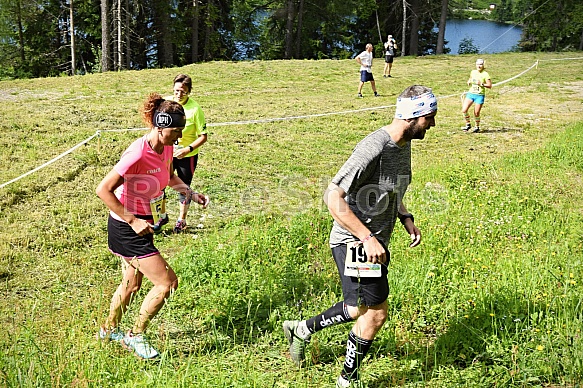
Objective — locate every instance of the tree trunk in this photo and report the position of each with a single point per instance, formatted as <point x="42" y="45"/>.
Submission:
<point x="120" y="60"/>
<point x="105" y="39"/>
<point x="208" y="30"/>
<point x="194" y="32"/>
<point x="299" y="32"/>
<point x="414" y="38"/>
<point x="142" y="28"/>
<point x="163" y="33"/>
<point x="114" y="42"/>
<point x="404" y="33"/>
<point x="581" y="42"/>
<point x="441" y="32"/>
<point x="72" y="29"/>
<point x="557" y="26"/>
<point x="127" y="38"/>
<point x="289" y="29"/>
<point x="20" y="31"/>
<point x="378" y="25"/>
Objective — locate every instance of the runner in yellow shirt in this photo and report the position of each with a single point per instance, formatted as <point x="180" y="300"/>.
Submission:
<point x="186" y="150"/>
<point x="478" y="82"/>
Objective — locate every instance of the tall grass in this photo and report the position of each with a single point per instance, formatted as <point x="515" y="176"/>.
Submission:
<point x="492" y="297"/>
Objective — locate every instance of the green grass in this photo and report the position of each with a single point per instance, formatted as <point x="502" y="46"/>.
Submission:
<point x="492" y="297"/>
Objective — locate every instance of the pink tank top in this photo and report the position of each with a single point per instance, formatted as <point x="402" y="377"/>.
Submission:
<point x="145" y="174"/>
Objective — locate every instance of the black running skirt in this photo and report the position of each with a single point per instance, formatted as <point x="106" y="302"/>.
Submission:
<point x="124" y="242"/>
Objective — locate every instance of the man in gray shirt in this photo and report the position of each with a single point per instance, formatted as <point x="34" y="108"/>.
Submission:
<point x="365" y="200"/>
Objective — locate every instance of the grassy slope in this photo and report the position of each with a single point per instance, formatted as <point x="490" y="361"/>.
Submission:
<point x="492" y="295"/>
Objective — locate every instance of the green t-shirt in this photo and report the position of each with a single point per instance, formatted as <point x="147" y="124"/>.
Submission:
<point x="476" y="76"/>
<point x="195" y="124"/>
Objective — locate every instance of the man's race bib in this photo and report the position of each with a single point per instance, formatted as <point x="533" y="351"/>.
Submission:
<point x="156" y="207"/>
<point x="356" y="264"/>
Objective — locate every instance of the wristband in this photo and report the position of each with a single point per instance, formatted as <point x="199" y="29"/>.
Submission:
<point x="191" y="148"/>
<point x="371" y="235"/>
<point x="403" y="217"/>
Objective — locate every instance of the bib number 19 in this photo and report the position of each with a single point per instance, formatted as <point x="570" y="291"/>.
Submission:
<point x="356" y="264"/>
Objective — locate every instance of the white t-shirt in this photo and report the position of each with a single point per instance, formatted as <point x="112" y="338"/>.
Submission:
<point x="390" y="47"/>
<point x="365" y="60"/>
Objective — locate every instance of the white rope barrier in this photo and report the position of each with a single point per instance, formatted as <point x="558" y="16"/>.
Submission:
<point x="560" y="59"/>
<point x="516" y="76"/>
<point x="51" y="161"/>
<point x="124" y="130"/>
<point x="270" y="120"/>
<point x="262" y="121"/>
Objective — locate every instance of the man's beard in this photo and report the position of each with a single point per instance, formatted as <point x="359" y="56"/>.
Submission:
<point x="415" y="131"/>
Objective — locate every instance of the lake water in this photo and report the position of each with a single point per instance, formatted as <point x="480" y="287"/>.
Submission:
<point x="488" y="37"/>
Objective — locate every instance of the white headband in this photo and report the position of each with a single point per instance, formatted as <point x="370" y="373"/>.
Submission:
<point x="417" y="106"/>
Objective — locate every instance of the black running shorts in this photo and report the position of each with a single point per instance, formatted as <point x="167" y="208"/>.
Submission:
<point x="361" y="291"/>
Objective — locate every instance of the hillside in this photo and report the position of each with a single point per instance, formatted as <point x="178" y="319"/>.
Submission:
<point x="491" y="297"/>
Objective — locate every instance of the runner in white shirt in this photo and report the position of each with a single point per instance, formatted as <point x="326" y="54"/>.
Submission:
<point x="364" y="59"/>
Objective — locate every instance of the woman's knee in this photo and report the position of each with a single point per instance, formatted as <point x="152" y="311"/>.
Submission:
<point x="171" y="286"/>
<point x="133" y="290"/>
<point x="132" y="285"/>
<point x="174" y="285"/>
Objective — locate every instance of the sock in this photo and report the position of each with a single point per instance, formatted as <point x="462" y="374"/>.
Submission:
<point x="356" y="350"/>
<point x="477" y="121"/>
<point x="334" y="315"/>
<point x="342" y="382"/>
<point x="302" y="331"/>
<point x="467" y="118"/>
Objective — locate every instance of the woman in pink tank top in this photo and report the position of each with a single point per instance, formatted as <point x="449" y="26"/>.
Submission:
<point x="133" y="192"/>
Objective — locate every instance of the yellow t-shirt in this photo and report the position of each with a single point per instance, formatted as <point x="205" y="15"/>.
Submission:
<point x="195" y="124"/>
<point x="476" y="76"/>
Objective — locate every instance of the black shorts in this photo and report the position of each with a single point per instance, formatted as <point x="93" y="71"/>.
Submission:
<point x="124" y="242"/>
<point x="185" y="170"/>
<point x="389" y="58"/>
<point x="362" y="291"/>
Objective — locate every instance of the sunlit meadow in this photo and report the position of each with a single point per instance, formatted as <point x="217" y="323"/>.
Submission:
<point x="492" y="297"/>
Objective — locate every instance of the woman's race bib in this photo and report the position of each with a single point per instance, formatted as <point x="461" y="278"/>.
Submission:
<point x="156" y="206"/>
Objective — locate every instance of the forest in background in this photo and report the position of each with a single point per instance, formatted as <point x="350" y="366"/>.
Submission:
<point x="40" y="38"/>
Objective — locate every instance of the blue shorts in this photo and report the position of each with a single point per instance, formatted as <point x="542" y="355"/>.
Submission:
<point x="365" y="76"/>
<point x="477" y="98"/>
